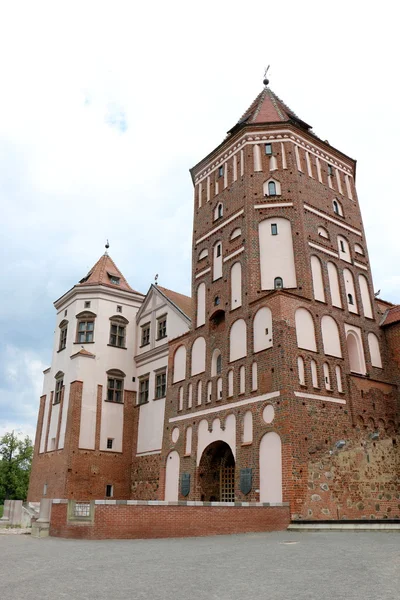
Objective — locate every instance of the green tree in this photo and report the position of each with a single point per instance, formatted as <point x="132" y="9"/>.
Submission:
<point x="15" y="466"/>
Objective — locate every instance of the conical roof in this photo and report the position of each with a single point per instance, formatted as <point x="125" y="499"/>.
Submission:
<point x="268" y="108"/>
<point x="105" y="272"/>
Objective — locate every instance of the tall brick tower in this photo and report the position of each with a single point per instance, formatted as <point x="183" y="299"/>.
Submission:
<point x="283" y="387"/>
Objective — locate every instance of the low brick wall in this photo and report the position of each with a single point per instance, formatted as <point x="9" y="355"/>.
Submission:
<point x="144" y="520"/>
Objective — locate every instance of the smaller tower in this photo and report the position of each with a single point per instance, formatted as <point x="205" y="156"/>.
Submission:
<point x="85" y="428"/>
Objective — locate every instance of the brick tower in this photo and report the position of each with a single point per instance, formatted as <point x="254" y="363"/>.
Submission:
<point x="283" y="390"/>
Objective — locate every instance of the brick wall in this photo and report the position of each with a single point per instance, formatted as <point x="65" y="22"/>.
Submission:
<point x="143" y="521"/>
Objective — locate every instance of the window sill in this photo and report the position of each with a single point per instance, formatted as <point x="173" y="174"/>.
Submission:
<point x="55" y="403"/>
<point x="76" y="343"/>
<point x="144" y="345"/>
<point x="160" y="398"/>
<point x="61" y="349"/>
<point x="143" y="402"/>
<point x="247" y="444"/>
<point x="164" y="337"/>
<point x="119" y="347"/>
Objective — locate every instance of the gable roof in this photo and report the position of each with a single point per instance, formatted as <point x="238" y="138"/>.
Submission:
<point x="102" y="272"/>
<point x="268" y="108"/>
<point x="184" y="303"/>
<point x="391" y="316"/>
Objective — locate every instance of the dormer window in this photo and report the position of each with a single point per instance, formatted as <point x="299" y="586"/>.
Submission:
<point x="115" y="280"/>
<point x="268" y="149"/>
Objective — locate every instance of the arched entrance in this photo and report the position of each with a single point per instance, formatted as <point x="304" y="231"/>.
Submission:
<point x="217" y="473"/>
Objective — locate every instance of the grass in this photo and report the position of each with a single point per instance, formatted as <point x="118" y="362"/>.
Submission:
<point x="1" y="510"/>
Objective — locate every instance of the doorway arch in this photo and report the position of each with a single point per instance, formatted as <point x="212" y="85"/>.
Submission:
<point x="217" y="473"/>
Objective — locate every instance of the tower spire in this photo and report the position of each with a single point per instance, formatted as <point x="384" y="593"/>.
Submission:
<point x="266" y="80"/>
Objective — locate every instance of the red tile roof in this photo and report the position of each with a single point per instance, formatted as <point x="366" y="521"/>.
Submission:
<point x="391" y="316"/>
<point x="101" y="274"/>
<point x="184" y="303"/>
<point x="268" y="108"/>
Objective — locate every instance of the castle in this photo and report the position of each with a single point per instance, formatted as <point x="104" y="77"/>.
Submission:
<point x="278" y="382"/>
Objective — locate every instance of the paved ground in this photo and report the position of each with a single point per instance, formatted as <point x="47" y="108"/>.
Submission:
<point x="276" y="566"/>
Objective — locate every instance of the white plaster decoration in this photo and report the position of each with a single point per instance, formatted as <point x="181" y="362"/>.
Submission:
<point x="236" y="233"/>
<point x="330" y="336"/>
<point x="238" y="340"/>
<point x="332" y="220"/>
<point x="236" y="286"/>
<point x="254" y="377"/>
<point x="309" y="170"/>
<point x="242" y="380"/>
<point x="201" y="304"/>
<point x="201" y="273"/>
<point x="317" y="397"/>
<point x="188" y="445"/>
<point x="229" y="406"/>
<point x="339" y="181"/>
<point x="199" y="392"/>
<point x="271" y="468"/>
<point x="273" y="163"/>
<point x="175" y="434"/>
<point x="338" y="373"/>
<point x="262" y="329"/>
<point x="268" y="414"/>
<point x="322" y="232"/>
<point x="297" y="155"/>
<point x="217" y="261"/>
<point x="334" y="287"/>
<point x="314" y="374"/>
<point x="257" y="158"/>
<point x="172" y="476"/>
<point x="374" y="351"/>
<point x="241" y="163"/>
<point x="327" y="376"/>
<point x="200" y="193"/>
<point x="235" y="168"/>
<point x="208" y="188"/>
<point x="305" y="330"/>
<point x="276" y="253"/>
<point x="355" y="349"/>
<point x="317" y="279"/>
<point x="273" y="205"/>
<point x="225" y="175"/>
<point x="284" y="163"/>
<point x="350" y="291"/>
<point x="233" y="254"/>
<point x="348" y="186"/>
<point x="247" y="437"/>
<point x="318" y="169"/>
<point x="324" y="250"/>
<point x="230" y="383"/>
<point x="232" y="218"/>
<point x="198" y="356"/>
<point x="179" y="364"/>
<point x="300" y="370"/>
<point x="360" y="266"/>
<point x="190" y="395"/>
<point x="365" y="297"/>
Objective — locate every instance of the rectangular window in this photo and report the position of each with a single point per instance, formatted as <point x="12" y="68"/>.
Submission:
<point x="330" y="170"/>
<point x="146" y="334"/>
<point x="115" y="388"/>
<point x="63" y="338"/>
<point x="220" y="171"/>
<point x="65" y="312"/>
<point x="109" y="443"/>
<point x="144" y="390"/>
<point x="119" y="308"/>
<point x="219" y="250"/>
<point x="161" y="385"/>
<point x="274" y="229"/>
<point x="268" y="149"/>
<point x="85" y="332"/>
<point x="87" y="304"/>
<point x="58" y="392"/>
<point x="109" y="491"/>
<point x="117" y="335"/>
<point x="162" y="327"/>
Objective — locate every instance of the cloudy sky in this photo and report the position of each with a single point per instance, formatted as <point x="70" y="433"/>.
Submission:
<point x="106" y="105"/>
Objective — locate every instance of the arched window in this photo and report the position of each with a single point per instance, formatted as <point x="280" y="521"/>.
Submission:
<point x="198" y="356"/>
<point x="219" y="388"/>
<point x="337" y="207"/>
<point x="247" y="428"/>
<point x="334" y="285"/>
<point x="180" y="398"/>
<point x="217" y="264"/>
<point x="327" y="376"/>
<point x="314" y="374"/>
<point x="230" y="383"/>
<point x="201" y="304"/>
<point x="355" y="351"/>
<point x="199" y="392"/>
<point x="350" y="291"/>
<point x="209" y="391"/>
<point x="242" y="380"/>
<point x="63" y="335"/>
<point x="300" y="369"/>
<point x="338" y="372"/>
<point x="262" y="329"/>
<point x="305" y="330"/>
<point x="179" y="364"/>
<point x="216" y="363"/>
<point x="344" y="249"/>
<point x="374" y="350"/>
<point x="365" y="297"/>
<point x="254" y="377"/>
<point x="317" y="279"/>
<point x="190" y="395"/>
<point x="219" y="211"/>
<point x="323" y="232"/>
<point x="278" y="283"/>
<point x="238" y="340"/>
<point x="271" y="188"/>
<point x="330" y="336"/>
<point x="236" y="285"/>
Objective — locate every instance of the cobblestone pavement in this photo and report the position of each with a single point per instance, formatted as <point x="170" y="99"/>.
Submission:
<point x="14" y="531"/>
<point x="276" y="566"/>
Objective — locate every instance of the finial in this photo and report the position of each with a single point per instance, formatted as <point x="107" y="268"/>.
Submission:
<point x="155" y="279"/>
<point x="107" y="246"/>
<point x="266" y="81"/>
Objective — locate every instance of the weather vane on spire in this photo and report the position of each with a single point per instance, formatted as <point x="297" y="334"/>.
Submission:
<point x="266" y="80"/>
<point x="107" y="246"/>
<point x="156" y="279"/>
